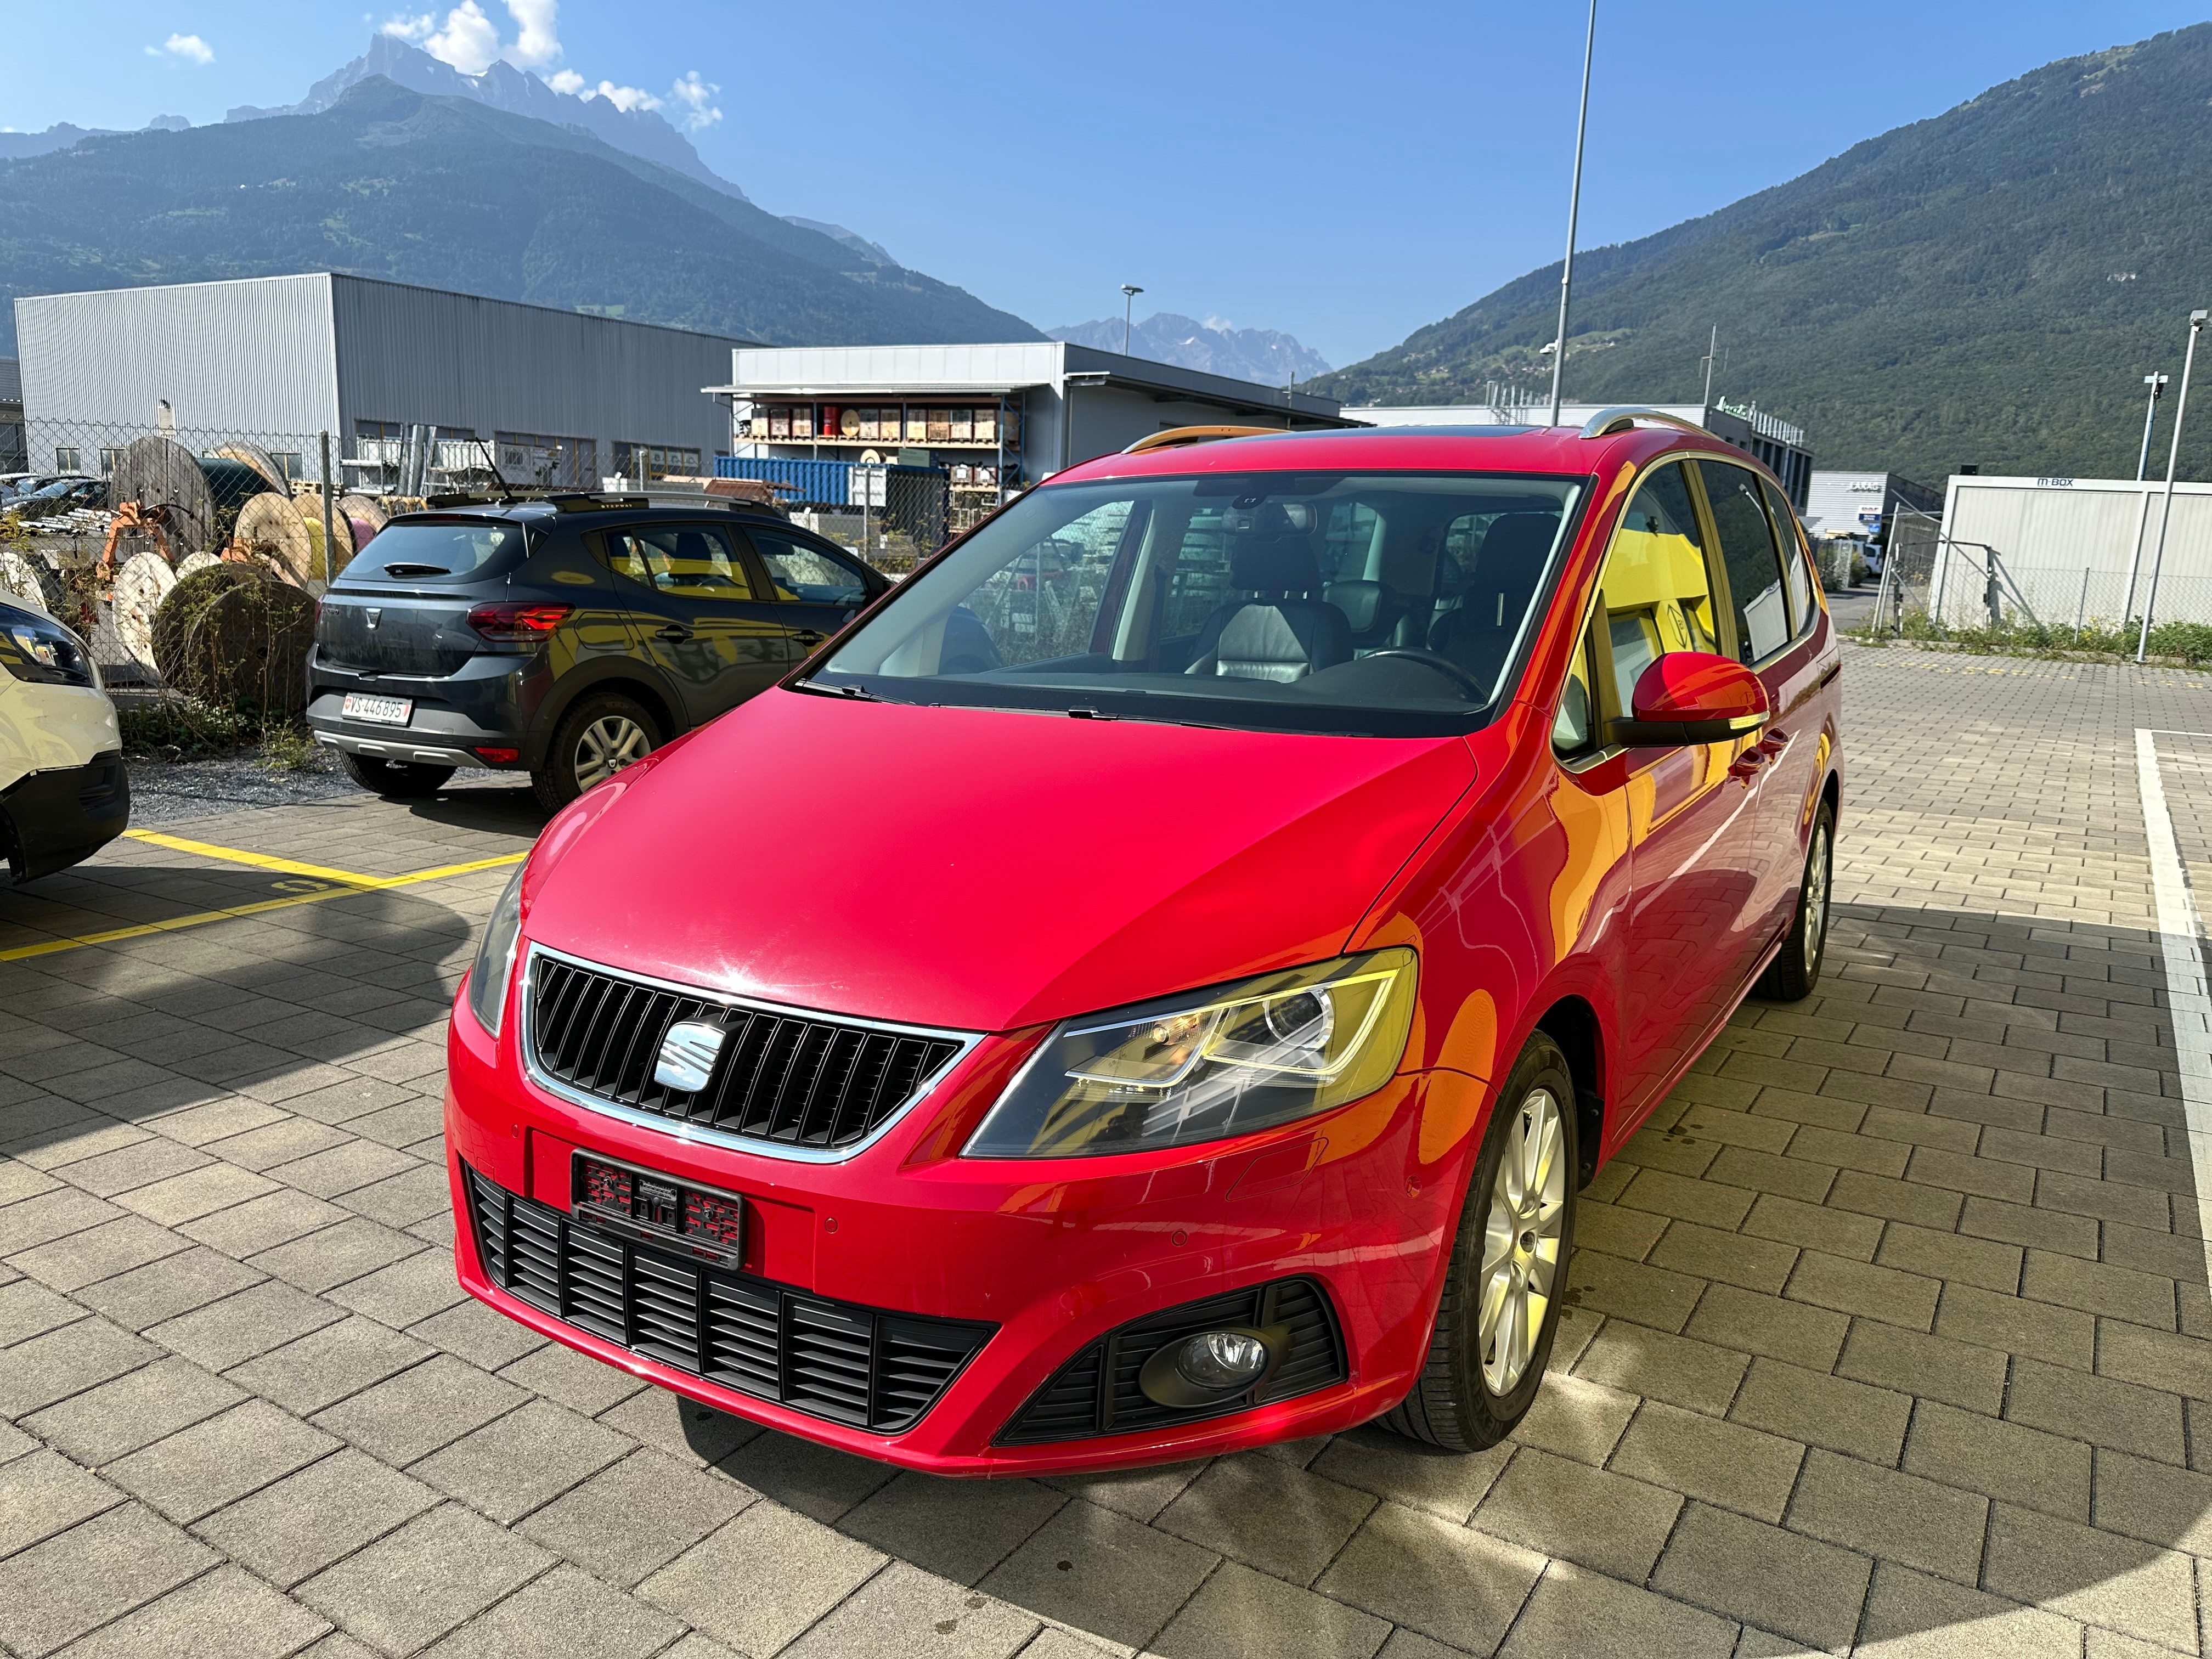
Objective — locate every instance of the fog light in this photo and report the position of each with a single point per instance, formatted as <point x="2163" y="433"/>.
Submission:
<point x="1212" y="1367"/>
<point x="1222" y="1360"/>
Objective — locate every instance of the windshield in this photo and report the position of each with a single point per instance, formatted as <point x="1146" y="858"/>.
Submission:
<point x="1393" y="604"/>
<point x="436" y="549"/>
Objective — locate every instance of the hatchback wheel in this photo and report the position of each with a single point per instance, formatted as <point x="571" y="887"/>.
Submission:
<point x="602" y="734"/>
<point x="1508" y="1265"/>
<point x="394" y="780"/>
<point x="1796" y="969"/>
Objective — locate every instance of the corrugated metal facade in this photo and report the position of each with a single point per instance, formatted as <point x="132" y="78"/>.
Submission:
<point x="292" y="356"/>
<point x="252" y="356"/>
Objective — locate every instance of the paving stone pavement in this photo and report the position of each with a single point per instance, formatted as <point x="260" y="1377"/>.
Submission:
<point x="1888" y="1334"/>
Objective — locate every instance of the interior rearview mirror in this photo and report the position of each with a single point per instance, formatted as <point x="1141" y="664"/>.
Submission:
<point x="1693" y="697"/>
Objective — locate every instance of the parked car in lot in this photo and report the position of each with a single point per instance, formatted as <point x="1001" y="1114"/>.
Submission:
<point x="63" y="792"/>
<point x="566" y="637"/>
<point x="1191" y="1027"/>
<point x="61" y="495"/>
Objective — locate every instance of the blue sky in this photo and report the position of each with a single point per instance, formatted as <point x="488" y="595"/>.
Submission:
<point x="1346" y="172"/>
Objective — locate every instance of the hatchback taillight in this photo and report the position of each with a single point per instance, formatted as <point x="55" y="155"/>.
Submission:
<point x="509" y="622"/>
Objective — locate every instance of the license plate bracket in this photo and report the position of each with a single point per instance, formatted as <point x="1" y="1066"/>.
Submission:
<point x="657" y="1208"/>
<point x="377" y="711"/>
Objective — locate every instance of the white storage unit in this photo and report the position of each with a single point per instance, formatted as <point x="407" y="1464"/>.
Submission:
<point x="2070" y="545"/>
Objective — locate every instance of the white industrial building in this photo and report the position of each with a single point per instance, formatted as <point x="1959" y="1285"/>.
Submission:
<point x="2068" y="547"/>
<point x="1857" y="505"/>
<point x="994" y="417"/>
<point x="385" y="369"/>
<point x="1782" y="447"/>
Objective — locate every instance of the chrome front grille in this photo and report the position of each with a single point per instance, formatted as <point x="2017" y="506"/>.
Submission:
<point x="808" y="1083"/>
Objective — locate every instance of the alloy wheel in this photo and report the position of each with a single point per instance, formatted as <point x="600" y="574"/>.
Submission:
<point x="1816" y="897"/>
<point x="606" y="746"/>
<point x="1520" y="1242"/>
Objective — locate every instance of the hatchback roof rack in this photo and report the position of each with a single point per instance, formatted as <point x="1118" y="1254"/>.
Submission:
<point x="1622" y="418"/>
<point x="1182" y="436"/>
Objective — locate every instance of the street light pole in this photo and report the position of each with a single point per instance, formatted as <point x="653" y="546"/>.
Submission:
<point x="1712" y="351"/>
<point x="1574" y="211"/>
<point x="2157" y="385"/>
<point x="2173" y="458"/>
<point x="1129" y="293"/>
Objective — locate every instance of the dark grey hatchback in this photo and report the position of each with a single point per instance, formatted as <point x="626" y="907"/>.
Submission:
<point x="564" y="636"/>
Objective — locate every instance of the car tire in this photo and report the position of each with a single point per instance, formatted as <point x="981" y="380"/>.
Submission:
<point x="1479" y="1382"/>
<point x="394" y="780"/>
<point x="1796" y="969"/>
<point x="602" y="733"/>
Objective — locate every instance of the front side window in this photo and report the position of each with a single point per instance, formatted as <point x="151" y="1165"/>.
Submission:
<point x="1656" y="594"/>
<point x="694" y="561"/>
<point x="1754" y="575"/>
<point x="800" y="572"/>
<point x="1385" y="603"/>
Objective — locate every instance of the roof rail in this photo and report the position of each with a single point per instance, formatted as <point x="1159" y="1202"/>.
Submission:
<point x="1179" y="437"/>
<point x="1622" y="418"/>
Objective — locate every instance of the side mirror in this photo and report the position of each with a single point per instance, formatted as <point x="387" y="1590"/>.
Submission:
<point x="1693" y="697"/>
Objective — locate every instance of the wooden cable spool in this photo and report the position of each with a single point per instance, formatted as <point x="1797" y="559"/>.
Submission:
<point x="276" y="533"/>
<point x="29" y="578"/>
<point x="260" y="459"/>
<point x="193" y="562"/>
<point x="140" y="587"/>
<point x="165" y="479"/>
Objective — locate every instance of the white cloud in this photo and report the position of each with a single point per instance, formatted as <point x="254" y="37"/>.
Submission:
<point x="184" y="48"/>
<point x="697" y="98"/>
<point x="538" y="32"/>
<point x="624" y="98"/>
<point x="566" y="81"/>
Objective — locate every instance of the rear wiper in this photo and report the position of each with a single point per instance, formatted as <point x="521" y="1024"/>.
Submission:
<point x="405" y="569"/>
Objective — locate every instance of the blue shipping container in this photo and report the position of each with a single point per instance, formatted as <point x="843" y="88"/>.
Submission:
<point x="820" y="483"/>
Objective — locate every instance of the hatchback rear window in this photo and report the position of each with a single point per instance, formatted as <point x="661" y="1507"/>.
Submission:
<point x="438" y="550"/>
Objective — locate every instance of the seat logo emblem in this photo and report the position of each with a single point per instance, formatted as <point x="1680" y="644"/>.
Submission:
<point x="687" y="1056"/>
<point x="375" y="615"/>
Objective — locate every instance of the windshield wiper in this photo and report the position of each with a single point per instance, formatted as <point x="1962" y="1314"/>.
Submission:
<point x="858" y="693"/>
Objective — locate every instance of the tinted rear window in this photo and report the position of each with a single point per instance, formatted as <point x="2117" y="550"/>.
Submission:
<point x="438" y="550"/>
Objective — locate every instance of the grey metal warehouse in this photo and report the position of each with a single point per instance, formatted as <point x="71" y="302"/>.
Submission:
<point x="561" y="396"/>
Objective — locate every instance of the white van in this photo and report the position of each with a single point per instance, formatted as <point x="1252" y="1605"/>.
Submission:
<point x="63" y="792"/>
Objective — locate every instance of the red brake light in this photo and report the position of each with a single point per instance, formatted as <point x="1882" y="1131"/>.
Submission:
<point x="512" y="622"/>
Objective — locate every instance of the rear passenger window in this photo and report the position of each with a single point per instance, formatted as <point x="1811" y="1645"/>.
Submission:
<point x="807" y="574"/>
<point x="1754" y="575"/>
<point x="1797" y="575"/>
<point x="1198" y="582"/>
<point x="1656" y="594"/>
<point x="693" y="561"/>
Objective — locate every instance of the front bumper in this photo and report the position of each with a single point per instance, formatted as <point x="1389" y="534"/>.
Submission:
<point x="49" y="820"/>
<point x="1050" y="1257"/>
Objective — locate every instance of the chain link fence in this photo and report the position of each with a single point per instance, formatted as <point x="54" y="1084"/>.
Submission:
<point x="894" y="517"/>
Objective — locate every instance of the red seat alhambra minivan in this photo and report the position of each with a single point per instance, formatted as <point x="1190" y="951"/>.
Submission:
<point x="1155" y="983"/>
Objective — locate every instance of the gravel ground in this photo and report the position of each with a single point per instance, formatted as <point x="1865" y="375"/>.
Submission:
<point x="165" y="791"/>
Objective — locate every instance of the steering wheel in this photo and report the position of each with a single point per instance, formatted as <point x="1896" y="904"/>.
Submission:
<point x="1443" y="664"/>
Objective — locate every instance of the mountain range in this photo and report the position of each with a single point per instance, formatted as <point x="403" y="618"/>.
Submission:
<point x="449" y="190"/>
<point x="1986" y="287"/>
<point x="1264" y="355"/>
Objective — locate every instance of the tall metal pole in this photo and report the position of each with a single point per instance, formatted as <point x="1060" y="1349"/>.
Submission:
<point x="2157" y="385"/>
<point x="2173" y="460"/>
<point x="1711" y="352"/>
<point x="1574" y="212"/>
<point x="330" y="520"/>
<point x="1129" y="293"/>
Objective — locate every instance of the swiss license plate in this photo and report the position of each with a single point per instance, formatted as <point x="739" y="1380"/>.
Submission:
<point x="660" y="1209"/>
<point x="377" y="711"/>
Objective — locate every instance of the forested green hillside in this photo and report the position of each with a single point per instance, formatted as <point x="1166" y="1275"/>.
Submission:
<point x="1986" y="287"/>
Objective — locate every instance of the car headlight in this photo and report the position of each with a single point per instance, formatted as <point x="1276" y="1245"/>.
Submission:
<point x="495" y="962"/>
<point x="1209" y="1064"/>
<point x="36" y="648"/>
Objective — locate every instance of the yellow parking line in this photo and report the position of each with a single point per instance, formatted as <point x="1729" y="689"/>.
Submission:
<point x="208" y="849"/>
<point x="348" y="886"/>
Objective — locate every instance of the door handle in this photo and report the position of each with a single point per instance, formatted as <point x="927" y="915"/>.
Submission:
<point x="810" y="637"/>
<point x="673" y="633"/>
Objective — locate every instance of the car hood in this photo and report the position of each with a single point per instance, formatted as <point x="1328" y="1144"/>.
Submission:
<point x="986" y="870"/>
